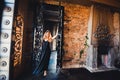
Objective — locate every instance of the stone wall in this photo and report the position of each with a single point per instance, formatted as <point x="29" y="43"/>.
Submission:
<point x="75" y="29"/>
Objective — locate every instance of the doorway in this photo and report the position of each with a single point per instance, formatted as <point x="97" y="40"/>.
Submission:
<point x="48" y="17"/>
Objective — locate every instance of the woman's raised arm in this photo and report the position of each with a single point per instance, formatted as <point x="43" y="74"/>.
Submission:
<point x="55" y="34"/>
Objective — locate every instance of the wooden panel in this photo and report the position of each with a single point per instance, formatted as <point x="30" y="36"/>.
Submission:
<point x="113" y="3"/>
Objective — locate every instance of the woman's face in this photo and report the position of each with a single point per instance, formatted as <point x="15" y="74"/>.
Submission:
<point x="47" y="34"/>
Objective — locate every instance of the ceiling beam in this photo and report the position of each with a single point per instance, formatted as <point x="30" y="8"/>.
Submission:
<point x="112" y="3"/>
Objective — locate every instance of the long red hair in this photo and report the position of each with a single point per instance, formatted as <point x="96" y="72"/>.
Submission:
<point x="47" y="36"/>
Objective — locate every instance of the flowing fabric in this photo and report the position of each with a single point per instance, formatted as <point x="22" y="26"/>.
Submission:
<point x="44" y="59"/>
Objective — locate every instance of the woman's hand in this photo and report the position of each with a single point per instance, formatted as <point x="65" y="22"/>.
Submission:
<point x="55" y="34"/>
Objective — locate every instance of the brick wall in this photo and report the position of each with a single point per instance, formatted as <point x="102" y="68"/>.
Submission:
<point x="75" y="29"/>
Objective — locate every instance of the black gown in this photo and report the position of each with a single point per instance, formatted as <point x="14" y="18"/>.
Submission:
<point x="44" y="59"/>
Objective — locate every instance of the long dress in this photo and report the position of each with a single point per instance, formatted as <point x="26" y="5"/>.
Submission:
<point x="44" y="59"/>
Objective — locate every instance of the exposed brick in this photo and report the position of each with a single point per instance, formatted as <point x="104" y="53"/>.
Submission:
<point x="75" y="29"/>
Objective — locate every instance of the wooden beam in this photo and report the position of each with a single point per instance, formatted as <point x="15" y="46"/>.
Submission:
<point x="112" y="3"/>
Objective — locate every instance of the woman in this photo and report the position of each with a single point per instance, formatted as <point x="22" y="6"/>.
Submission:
<point x="45" y="56"/>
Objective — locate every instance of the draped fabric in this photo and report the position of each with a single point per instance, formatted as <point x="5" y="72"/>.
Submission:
<point x="102" y="25"/>
<point x="44" y="59"/>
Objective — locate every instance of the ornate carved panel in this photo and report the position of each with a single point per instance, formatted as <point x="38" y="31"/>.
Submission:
<point x="17" y="38"/>
<point x="38" y="33"/>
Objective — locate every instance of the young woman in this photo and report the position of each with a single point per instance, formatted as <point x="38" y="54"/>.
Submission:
<point x="45" y="56"/>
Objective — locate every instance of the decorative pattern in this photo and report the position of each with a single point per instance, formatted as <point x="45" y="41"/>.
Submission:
<point x="7" y="9"/>
<point x="5" y="38"/>
<point x="102" y="33"/>
<point x="4" y="49"/>
<point x="3" y="63"/>
<point x="18" y="37"/>
<point x="5" y="35"/>
<point x="38" y="33"/>
<point x="7" y="22"/>
<point x="103" y="36"/>
<point x="2" y="77"/>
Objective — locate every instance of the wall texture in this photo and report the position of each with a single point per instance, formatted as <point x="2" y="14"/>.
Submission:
<point x="76" y="17"/>
<point x="75" y="29"/>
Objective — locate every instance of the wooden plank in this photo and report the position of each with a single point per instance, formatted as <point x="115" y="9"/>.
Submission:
<point x="113" y="3"/>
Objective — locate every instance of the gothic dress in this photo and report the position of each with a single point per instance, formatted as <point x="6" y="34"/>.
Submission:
<point x="44" y="59"/>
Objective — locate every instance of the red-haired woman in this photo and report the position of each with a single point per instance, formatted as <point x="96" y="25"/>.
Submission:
<point x="45" y="56"/>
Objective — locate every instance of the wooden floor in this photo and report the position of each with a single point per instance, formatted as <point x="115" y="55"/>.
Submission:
<point x="77" y="74"/>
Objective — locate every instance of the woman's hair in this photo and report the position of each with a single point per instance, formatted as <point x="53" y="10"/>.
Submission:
<point x="47" y="35"/>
